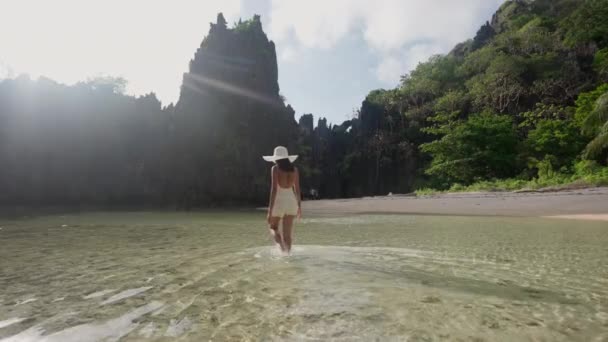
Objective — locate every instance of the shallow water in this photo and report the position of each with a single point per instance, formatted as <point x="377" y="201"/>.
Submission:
<point x="216" y="276"/>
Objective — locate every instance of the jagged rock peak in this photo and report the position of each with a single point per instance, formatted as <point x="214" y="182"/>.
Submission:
<point x="221" y="20"/>
<point x="239" y="60"/>
<point x="507" y="10"/>
<point x="306" y="123"/>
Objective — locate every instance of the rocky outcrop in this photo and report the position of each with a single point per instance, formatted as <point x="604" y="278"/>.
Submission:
<point x="483" y="36"/>
<point x="239" y="62"/>
<point x="228" y="115"/>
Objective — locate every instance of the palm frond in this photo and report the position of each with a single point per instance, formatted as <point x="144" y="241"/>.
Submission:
<point x="598" y="116"/>
<point x="597" y="123"/>
<point x="598" y="144"/>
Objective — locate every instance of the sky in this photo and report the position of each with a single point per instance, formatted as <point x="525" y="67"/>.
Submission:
<point x="331" y="53"/>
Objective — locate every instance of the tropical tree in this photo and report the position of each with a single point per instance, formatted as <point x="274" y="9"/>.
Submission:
<point x="482" y="147"/>
<point x="596" y="124"/>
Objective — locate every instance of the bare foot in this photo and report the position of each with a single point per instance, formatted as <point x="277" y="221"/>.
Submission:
<point x="278" y="239"/>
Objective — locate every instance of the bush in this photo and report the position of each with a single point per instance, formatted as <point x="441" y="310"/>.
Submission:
<point x="586" y="173"/>
<point x="586" y="102"/>
<point x="483" y="147"/>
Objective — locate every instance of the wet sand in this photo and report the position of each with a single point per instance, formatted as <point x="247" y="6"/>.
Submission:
<point x="589" y="217"/>
<point x="584" y="204"/>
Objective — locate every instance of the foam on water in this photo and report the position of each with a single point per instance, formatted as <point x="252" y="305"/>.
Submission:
<point x="10" y="321"/>
<point x="98" y="294"/>
<point x="29" y="300"/>
<point x="177" y="328"/>
<point x="125" y="294"/>
<point x="111" y="330"/>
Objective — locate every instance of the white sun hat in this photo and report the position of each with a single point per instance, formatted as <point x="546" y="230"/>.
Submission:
<point x="280" y="152"/>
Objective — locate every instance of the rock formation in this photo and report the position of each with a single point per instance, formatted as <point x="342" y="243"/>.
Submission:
<point x="228" y="115"/>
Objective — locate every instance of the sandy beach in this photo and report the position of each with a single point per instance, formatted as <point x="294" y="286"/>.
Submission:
<point x="584" y="204"/>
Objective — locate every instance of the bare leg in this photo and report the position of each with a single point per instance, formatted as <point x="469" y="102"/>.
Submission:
<point x="275" y="233"/>
<point x="288" y="231"/>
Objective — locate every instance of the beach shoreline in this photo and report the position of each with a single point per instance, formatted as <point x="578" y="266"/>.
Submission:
<point x="579" y="204"/>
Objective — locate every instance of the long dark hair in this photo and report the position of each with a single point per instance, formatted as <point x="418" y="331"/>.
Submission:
<point x="285" y="165"/>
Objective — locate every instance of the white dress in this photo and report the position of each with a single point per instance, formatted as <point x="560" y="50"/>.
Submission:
<point x="285" y="203"/>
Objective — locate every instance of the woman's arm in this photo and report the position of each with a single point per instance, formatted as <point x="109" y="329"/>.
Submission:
<point x="273" y="190"/>
<point x="298" y="193"/>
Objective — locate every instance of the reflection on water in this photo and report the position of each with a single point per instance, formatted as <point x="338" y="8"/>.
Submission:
<point x="215" y="276"/>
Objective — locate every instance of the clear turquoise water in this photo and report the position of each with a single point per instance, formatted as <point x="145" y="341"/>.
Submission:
<point x="216" y="276"/>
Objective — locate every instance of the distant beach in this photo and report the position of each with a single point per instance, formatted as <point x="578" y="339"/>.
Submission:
<point x="585" y="204"/>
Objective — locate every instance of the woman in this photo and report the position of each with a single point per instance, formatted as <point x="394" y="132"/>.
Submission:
<point x="284" y="197"/>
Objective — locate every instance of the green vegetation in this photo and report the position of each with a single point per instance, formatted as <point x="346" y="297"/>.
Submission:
<point x="596" y="125"/>
<point x="524" y="104"/>
<point x="585" y="174"/>
<point x="248" y="25"/>
<point x="483" y="144"/>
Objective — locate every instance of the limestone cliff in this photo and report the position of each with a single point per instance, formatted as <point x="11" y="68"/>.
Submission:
<point x="229" y="114"/>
